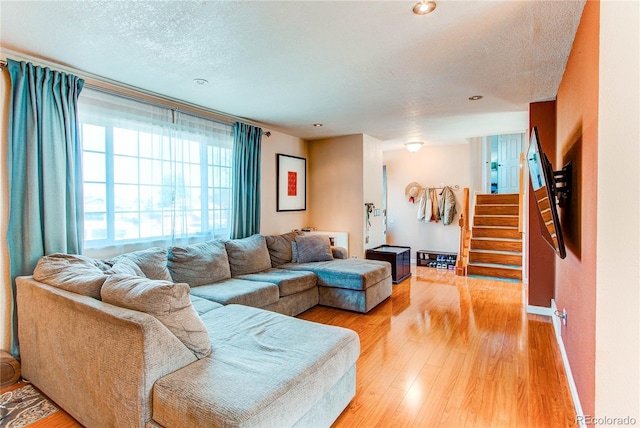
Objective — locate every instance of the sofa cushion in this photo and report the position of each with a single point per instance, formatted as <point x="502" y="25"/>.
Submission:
<point x="339" y="253"/>
<point x="71" y="272"/>
<point x="202" y="306"/>
<point x="125" y="266"/>
<point x="168" y="302"/>
<point x="314" y="248"/>
<point x="240" y="291"/>
<point x="355" y="274"/>
<point x="198" y="264"/>
<point x="266" y="370"/>
<point x="152" y="262"/>
<point x="279" y="247"/>
<point x="248" y="255"/>
<point x="288" y="281"/>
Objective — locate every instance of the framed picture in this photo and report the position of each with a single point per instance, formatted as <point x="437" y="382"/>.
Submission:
<point x="291" y="183"/>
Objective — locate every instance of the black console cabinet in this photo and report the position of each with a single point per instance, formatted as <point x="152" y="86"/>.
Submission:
<point x="399" y="257"/>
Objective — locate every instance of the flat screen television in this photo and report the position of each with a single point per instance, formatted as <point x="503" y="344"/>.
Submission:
<point x="550" y="188"/>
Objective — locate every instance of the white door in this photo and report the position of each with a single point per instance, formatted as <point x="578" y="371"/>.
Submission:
<point x="509" y="148"/>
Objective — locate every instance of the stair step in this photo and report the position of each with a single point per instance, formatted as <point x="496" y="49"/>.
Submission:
<point x="511" y="199"/>
<point x="497" y="210"/>
<point x="495" y="258"/>
<point x="494" y="271"/>
<point x="496" y="232"/>
<point x="482" y="220"/>
<point x="496" y="245"/>
<point x="495" y="249"/>
<point x="546" y="215"/>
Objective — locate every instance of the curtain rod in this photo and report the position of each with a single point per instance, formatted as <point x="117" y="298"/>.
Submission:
<point x="3" y="65"/>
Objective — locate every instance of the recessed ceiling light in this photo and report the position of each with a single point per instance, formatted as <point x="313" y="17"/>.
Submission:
<point x="475" y="98"/>
<point x="317" y="125"/>
<point x="200" y="81"/>
<point x="424" y="7"/>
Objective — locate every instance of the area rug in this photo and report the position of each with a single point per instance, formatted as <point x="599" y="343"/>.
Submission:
<point x="23" y="406"/>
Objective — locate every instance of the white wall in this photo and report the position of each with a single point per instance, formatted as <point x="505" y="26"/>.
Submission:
<point x="618" y="232"/>
<point x="476" y="165"/>
<point x="431" y="166"/>
<point x="372" y="187"/>
<point x="336" y="188"/>
<point x="345" y="173"/>
<point x="273" y="222"/>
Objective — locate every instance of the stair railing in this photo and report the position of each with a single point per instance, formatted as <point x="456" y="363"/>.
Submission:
<point x="463" y="222"/>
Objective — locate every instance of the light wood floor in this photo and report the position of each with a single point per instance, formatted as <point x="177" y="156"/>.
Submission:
<point x="449" y="351"/>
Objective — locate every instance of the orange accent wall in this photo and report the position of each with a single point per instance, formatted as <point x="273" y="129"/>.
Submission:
<point x="542" y="258"/>
<point x="577" y="140"/>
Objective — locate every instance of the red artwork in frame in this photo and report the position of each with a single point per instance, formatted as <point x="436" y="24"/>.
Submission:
<point x="291" y="183"/>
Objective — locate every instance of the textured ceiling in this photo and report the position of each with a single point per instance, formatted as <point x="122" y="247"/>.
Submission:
<point x="358" y="67"/>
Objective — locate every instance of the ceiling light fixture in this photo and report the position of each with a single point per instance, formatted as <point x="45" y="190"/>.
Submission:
<point x="424" y="7"/>
<point x="414" y="146"/>
<point x="317" y="125"/>
<point x="200" y="81"/>
<point x="475" y="98"/>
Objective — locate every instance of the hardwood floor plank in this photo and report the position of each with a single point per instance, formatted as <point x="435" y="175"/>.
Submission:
<point x="436" y="400"/>
<point x="386" y="409"/>
<point x="407" y="374"/>
<point x="415" y="398"/>
<point x="58" y="420"/>
<point x="455" y="352"/>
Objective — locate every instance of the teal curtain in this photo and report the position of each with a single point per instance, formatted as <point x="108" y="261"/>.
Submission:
<point x="245" y="213"/>
<point x="43" y="165"/>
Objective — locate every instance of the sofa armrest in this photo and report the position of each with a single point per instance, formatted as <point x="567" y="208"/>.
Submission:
<point x="339" y="253"/>
<point x="97" y="361"/>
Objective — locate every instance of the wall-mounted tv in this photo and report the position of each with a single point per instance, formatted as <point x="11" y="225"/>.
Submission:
<point x="549" y="187"/>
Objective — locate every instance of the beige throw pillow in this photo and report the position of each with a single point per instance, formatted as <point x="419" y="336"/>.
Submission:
<point x="314" y="248"/>
<point x="125" y="266"/>
<point x="71" y="272"/>
<point x="199" y="264"/>
<point x="248" y="255"/>
<point x="165" y="300"/>
<point x="152" y="262"/>
<point x="279" y="247"/>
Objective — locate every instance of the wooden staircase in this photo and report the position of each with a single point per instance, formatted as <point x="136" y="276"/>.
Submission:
<point x="496" y="243"/>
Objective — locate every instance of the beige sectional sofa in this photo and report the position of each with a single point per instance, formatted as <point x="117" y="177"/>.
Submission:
<point x="177" y="337"/>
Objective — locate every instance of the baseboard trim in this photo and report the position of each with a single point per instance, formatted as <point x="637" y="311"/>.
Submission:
<point x="539" y="310"/>
<point x="567" y="368"/>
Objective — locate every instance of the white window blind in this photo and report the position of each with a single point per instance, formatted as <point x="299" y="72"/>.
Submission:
<point x="152" y="175"/>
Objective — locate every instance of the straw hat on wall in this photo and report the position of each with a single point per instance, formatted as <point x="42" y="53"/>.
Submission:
<point x="413" y="191"/>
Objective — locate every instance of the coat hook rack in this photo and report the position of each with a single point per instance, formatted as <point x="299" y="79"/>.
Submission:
<point x="454" y="187"/>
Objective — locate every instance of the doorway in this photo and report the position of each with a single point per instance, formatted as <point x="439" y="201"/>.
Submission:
<point x="503" y="152"/>
<point x="384" y="204"/>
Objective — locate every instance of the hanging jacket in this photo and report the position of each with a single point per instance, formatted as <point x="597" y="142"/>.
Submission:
<point x="428" y="206"/>
<point x="422" y="206"/>
<point x="425" y="207"/>
<point x="447" y="205"/>
<point x="435" y="212"/>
